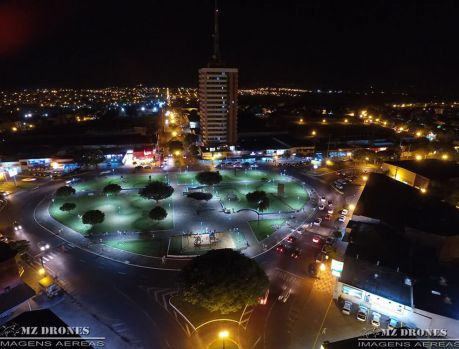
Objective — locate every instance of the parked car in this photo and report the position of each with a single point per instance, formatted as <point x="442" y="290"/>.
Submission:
<point x="291" y="239"/>
<point x="323" y="200"/>
<point x="16" y="226"/>
<point x="362" y="314"/>
<point x="392" y="324"/>
<point x="342" y="218"/>
<point x="330" y="210"/>
<point x="43" y="246"/>
<point x="346" y="309"/>
<point x="295" y="253"/>
<point x="344" y="212"/>
<point x="321" y="207"/>
<point x="280" y="248"/>
<point x="376" y="319"/>
<point x="317" y="221"/>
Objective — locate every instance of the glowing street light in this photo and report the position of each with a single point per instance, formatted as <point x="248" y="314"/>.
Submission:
<point x="322" y="267"/>
<point x="313" y="133"/>
<point x="41" y="271"/>
<point x="365" y="178"/>
<point x="346" y="121"/>
<point x="444" y="156"/>
<point x="223" y="335"/>
<point x="351" y="207"/>
<point x="329" y="163"/>
<point x="174" y="134"/>
<point x="177" y="152"/>
<point x="423" y="190"/>
<point x="418" y="157"/>
<point x="324" y="121"/>
<point x="418" y="134"/>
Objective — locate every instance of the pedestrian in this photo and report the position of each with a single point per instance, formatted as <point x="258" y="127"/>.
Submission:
<point x="163" y="259"/>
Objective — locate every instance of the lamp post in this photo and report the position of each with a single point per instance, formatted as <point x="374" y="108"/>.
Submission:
<point x="223" y="335"/>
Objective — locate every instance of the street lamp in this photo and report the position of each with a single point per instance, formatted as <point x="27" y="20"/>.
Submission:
<point x="322" y="267"/>
<point x="365" y="178"/>
<point x="351" y="207"/>
<point x="223" y="335"/>
<point x="313" y="133"/>
<point x="41" y="271"/>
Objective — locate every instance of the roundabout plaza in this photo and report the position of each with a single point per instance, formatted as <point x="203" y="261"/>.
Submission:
<point x="228" y="218"/>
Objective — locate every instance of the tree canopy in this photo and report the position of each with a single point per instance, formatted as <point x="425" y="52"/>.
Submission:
<point x="20" y="246"/>
<point x="92" y="157"/>
<point x="157" y="213"/>
<point x="209" y="177"/>
<point x="112" y="188"/>
<point x="255" y="196"/>
<point x="263" y="204"/>
<point x="175" y="145"/>
<point x="222" y="281"/>
<point x="93" y="217"/>
<point x="64" y="191"/>
<point x="198" y="195"/>
<point x="67" y="206"/>
<point x="156" y="190"/>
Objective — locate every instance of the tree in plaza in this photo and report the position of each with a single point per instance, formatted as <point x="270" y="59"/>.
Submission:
<point x="255" y="196"/>
<point x="222" y="281"/>
<point x="200" y="196"/>
<point x="209" y="178"/>
<point x="190" y="138"/>
<point x="157" y="213"/>
<point x="263" y="205"/>
<point x="363" y="155"/>
<point x="174" y="146"/>
<point x="65" y="191"/>
<point x="67" y="207"/>
<point x="156" y="190"/>
<point x="112" y="188"/>
<point x="89" y="158"/>
<point x="93" y="217"/>
<point x="194" y="150"/>
<point x="20" y="246"/>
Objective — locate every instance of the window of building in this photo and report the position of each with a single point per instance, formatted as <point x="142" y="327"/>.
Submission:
<point x="351" y="291"/>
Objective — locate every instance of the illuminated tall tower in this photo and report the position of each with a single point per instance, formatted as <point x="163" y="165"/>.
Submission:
<point x="218" y="97"/>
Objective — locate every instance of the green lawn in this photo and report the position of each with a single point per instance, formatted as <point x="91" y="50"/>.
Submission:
<point x="265" y="227"/>
<point x="230" y="176"/>
<point x="126" y="212"/>
<point x="154" y="247"/>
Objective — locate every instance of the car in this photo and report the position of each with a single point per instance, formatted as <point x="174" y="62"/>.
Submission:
<point x="376" y="319"/>
<point x="330" y="203"/>
<point x="147" y="167"/>
<point x="323" y="200"/>
<point x="330" y="210"/>
<point x="321" y="207"/>
<point x="312" y="269"/>
<point x="392" y="324"/>
<point x="16" y="226"/>
<point x="338" y="186"/>
<point x="320" y="257"/>
<point x="342" y="218"/>
<point x="3" y="194"/>
<point x="263" y="300"/>
<point x="329" y="241"/>
<point x="316" y="239"/>
<point x="291" y="239"/>
<point x="283" y="297"/>
<point x="344" y="212"/>
<point x="317" y="221"/>
<point x="327" y="217"/>
<point x="280" y="248"/>
<point x="346" y="309"/>
<point x="295" y="253"/>
<point x="362" y="314"/>
<point x="43" y="246"/>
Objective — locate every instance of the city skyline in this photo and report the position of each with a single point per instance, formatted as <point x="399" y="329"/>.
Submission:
<point x="387" y="46"/>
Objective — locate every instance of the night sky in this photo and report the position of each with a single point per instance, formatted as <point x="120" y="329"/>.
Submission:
<point x="391" y="45"/>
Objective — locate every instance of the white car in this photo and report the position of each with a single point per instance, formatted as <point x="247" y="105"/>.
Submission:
<point x="321" y="207"/>
<point x="392" y="324"/>
<point x="317" y="221"/>
<point x="330" y="210"/>
<point x="43" y="246"/>
<point x="344" y="212"/>
<point x="323" y="200"/>
<point x="347" y="308"/>
<point x="283" y="297"/>
<point x="362" y="314"/>
<point x="376" y="319"/>
<point x="342" y="218"/>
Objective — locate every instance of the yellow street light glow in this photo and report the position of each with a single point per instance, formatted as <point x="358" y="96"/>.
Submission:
<point x="223" y="334"/>
<point x="41" y="271"/>
<point x="367" y="158"/>
<point x="301" y="120"/>
<point x="365" y="178"/>
<point x="174" y="134"/>
<point x="444" y="156"/>
<point x="418" y="134"/>
<point x="177" y="152"/>
<point x="423" y="190"/>
<point x="385" y="123"/>
<point x="351" y="207"/>
<point x="329" y="163"/>
<point x="322" y="267"/>
<point x="348" y="153"/>
<point x="346" y="121"/>
<point x="14" y="129"/>
<point x="313" y="133"/>
<point x="324" y="121"/>
<point x="418" y="157"/>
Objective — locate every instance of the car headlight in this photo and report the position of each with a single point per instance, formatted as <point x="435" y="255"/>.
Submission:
<point x="15" y="228"/>
<point x="20" y="227"/>
<point x="47" y="246"/>
<point x="42" y="248"/>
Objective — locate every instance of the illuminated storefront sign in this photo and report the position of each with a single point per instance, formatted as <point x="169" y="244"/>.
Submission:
<point x="336" y="268"/>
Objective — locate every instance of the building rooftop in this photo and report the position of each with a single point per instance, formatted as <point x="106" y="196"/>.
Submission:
<point x="15" y="296"/>
<point x="430" y="168"/>
<point x="264" y="142"/>
<point x="401" y="206"/>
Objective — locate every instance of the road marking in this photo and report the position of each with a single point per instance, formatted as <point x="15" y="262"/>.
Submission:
<point x="321" y="325"/>
<point x="122" y="273"/>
